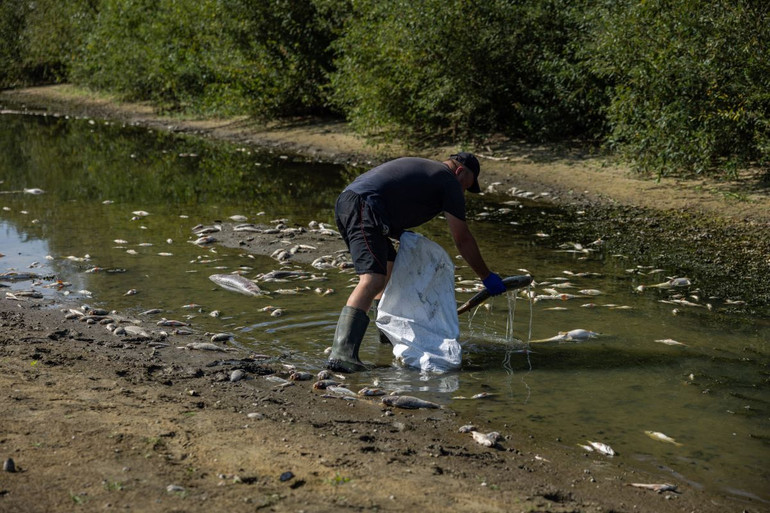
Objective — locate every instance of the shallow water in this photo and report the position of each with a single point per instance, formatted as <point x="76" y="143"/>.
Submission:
<point x="709" y="394"/>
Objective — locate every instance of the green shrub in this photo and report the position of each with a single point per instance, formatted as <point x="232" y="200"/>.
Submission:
<point x="460" y="68"/>
<point x="692" y="82"/>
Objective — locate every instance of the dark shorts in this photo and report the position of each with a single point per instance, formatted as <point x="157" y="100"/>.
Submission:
<point x="364" y="233"/>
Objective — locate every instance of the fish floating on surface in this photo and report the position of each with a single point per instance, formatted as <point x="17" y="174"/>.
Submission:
<point x="577" y="335"/>
<point x="669" y="342"/>
<point x="236" y="283"/>
<point x="657" y="435"/>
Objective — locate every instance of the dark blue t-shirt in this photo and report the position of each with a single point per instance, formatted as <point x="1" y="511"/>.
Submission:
<point x="410" y="191"/>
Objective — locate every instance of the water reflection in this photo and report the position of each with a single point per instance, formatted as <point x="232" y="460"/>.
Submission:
<point x="710" y="394"/>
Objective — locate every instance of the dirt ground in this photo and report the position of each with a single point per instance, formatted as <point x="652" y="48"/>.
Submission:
<point x="94" y="421"/>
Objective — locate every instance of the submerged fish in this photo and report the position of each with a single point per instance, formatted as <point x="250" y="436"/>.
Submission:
<point x="656" y="435"/>
<point x="408" y="402"/>
<point x="236" y="283"/>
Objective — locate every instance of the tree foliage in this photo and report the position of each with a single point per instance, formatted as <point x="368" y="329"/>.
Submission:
<point x="670" y="86"/>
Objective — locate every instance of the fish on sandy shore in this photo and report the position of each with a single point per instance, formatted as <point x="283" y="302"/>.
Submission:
<point x="371" y="392"/>
<point x="486" y="439"/>
<point x="408" y="402"/>
<point x="599" y="447"/>
<point x="660" y="488"/>
<point x="204" y="346"/>
<point x="237" y="283"/>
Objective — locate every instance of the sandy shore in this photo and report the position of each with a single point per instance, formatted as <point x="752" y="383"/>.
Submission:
<point x="94" y="421"/>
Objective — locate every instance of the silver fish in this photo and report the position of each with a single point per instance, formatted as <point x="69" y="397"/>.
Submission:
<point x="657" y="435"/>
<point x="171" y="322"/>
<point x="486" y="439"/>
<point x="570" y="336"/>
<point x="407" y="402"/>
<point x="660" y="488"/>
<point x="204" y="346"/>
<point x="602" y="448"/>
<point x="370" y="392"/>
<point x="236" y="283"/>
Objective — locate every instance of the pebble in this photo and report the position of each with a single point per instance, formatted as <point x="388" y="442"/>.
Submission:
<point x="237" y="375"/>
<point x="9" y="465"/>
<point x="174" y="488"/>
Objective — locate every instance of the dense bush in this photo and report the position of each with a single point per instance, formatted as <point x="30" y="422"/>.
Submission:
<point x="459" y="67"/>
<point x="671" y="86"/>
<point x="692" y="82"/>
<point x="39" y="40"/>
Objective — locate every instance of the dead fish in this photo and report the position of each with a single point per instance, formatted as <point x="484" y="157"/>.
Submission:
<point x="206" y="239"/>
<point x="204" y="346"/>
<point x="670" y="342"/>
<point x="466" y="428"/>
<point x="570" y="336"/>
<point x="34" y="191"/>
<point x="151" y="311"/>
<point x="602" y="448"/>
<point x="673" y="282"/>
<point x="340" y="390"/>
<point x="28" y="293"/>
<point x="136" y="331"/>
<point x="221" y="337"/>
<point x="236" y="283"/>
<point x="656" y="435"/>
<point x="131" y="292"/>
<point x="371" y="392"/>
<point x="486" y="439"/>
<point x="246" y="228"/>
<point x="140" y="213"/>
<point x="14" y="276"/>
<point x="238" y="218"/>
<point x="660" y="488"/>
<point x="591" y="292"/>
<point x="300" y="376"/>
<point x="171" y="322"/>
<point x="323" y="384"/>
<point x="324" y="374"/>
<point x="276" y="313"/>
<point x="205" y="230"/>
<point x="407" y="402"/>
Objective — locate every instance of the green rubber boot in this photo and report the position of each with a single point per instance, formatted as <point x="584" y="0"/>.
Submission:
<point x="351" y="327"/>
<point x="383" y="337"/>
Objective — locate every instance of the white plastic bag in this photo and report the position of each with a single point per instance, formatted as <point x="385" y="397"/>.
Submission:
<point x="418" y="311"/>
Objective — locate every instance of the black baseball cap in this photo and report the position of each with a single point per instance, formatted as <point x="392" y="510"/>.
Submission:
<point x="470" y="161"/>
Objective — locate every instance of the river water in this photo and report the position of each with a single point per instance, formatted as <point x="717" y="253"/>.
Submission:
<point x="709" y="392"/>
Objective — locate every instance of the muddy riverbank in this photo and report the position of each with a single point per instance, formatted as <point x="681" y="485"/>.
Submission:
<point x="94" y="420"/>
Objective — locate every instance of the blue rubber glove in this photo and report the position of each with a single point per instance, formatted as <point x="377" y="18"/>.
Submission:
<point x="494" y="284"/>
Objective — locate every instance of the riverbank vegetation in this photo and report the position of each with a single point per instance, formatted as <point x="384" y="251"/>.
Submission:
<point x="672" y="87"/>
